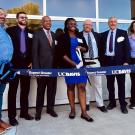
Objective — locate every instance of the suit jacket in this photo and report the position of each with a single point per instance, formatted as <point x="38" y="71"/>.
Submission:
<point x="64" y="48"/>
<point x="42" y="52"/>
<point x="97" y="38"/>
<point x="20" y="60"/>
<point x="122" y="49"/>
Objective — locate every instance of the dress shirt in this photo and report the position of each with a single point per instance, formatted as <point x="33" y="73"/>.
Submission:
<point x="132" y="46"/>
<point x="6" y="46"/>
<point x="94" y="45"/>
<point x="108" y="53"/>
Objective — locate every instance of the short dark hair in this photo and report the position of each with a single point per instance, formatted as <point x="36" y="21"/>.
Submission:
<point x="17" y="15"/>
<point x="131" y="30"/>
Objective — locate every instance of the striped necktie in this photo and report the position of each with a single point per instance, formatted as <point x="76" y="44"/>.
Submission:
<point x="49" y="37"/>
<point x="91" y="53"/>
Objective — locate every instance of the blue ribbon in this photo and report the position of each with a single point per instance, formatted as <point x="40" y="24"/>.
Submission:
<point x="110" y="70"/>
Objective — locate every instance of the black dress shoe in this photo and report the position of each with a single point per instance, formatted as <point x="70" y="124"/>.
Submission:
<point x="124" y="110"/>
<point x="89" y="119"/>
<point x="52" y="113"/>
<point x="37" y="117"/>
<point x="72" y="115"/>
<point x="87" y="107"/>
<point x="27" y="117"/>
<point x="13" y="122"/>
<point x="111" y="106"/>
<point x="102" y="109"/>
<point x="132" y="106"/>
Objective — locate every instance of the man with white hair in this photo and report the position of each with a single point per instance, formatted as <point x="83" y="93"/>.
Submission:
<point x="115" y="51"/>
<point x="93" y="41"/>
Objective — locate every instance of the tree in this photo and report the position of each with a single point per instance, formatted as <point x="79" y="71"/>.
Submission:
<point x="30" y="9"/>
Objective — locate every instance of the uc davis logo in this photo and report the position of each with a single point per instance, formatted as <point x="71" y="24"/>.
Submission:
<point x="124" y="71"/>
<point x="68" y="74"/>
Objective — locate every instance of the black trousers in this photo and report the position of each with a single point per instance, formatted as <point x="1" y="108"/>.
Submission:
<point x="132" y="76"/>
<point x="50" y="84"/>
<point x="24" y="93"/>
<point x="121" y="88"/>
<point x="111" y="61"/>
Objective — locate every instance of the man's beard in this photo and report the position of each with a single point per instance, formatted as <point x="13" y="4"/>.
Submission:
<point x="22" y="23"/>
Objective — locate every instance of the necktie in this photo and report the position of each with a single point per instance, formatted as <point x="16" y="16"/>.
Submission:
<point x="91" y="53"/>
<point x="49" y="37"/>
<point x="111" y="42"/>
<point x="22" y="42"/>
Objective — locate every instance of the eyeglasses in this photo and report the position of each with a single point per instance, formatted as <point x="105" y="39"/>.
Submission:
<point x="23" y="17"/>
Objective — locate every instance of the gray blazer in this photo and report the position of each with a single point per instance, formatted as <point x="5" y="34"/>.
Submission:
<point x="42" y="52"/>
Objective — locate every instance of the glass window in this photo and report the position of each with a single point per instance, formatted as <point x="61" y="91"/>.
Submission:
<point x="57" y="24"/>
<point x="60" y="24"/>
<point x="123" y="26"/>
<point x="32" y="24"/>
<point x="109" y="8"/>
<point x="104" y="26"/>
<point x="77" y="8"/>
<point x="31" y="7"/>
<point x="80" y="26"/>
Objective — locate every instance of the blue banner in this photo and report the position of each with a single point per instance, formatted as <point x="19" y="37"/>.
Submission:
<point x="111" y="70"/>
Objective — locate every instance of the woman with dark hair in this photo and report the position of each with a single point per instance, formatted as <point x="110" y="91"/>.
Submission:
<point x="132" y="60"/>
<point x="69" y="43"/>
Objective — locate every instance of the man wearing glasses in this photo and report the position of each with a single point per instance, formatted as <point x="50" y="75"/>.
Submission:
<point x="22" y="41"/>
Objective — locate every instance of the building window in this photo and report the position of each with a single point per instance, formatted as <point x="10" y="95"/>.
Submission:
<point x="32" y="23"/>
<point x="57" y="24"/>
<point x="73" y="8"/>
<point x="31" y="7"/>
<point x="119" y="8"/>
<point x="104" y="26"/>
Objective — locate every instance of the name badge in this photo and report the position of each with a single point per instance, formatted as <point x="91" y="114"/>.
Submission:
<point x="79" y="40"/>
<point x="56" y="42"/>
<point x="30" y="35"/>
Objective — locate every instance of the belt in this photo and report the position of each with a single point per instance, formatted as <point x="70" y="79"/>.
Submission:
<point x="89" y="61"/>
<point x="91" y="58"/>
<point x="110" y="57"/>
<point x="23" y="55"/>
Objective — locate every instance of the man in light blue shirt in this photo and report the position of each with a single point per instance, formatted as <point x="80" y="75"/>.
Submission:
<point x="93" y="41"/>
<point x="6" y="51"/>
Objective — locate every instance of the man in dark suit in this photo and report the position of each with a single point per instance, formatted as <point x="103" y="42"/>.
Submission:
<point x="115" y="51"/>
<point x="43" y="57"/>
<point x="22" y="41"/>
<point x="93" y="41"/>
